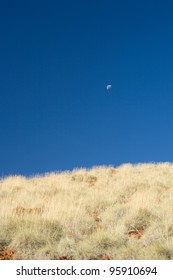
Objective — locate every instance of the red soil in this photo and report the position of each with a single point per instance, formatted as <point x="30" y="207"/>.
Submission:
<point x="19" y="210"/>
<point x="6" y="254"/>
<point x="104" y="257"/>
<point x="64" y="258"/>
<point x="137" y="233"/>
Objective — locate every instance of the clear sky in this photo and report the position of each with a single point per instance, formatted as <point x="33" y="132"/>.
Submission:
<point x="56" y="59"/>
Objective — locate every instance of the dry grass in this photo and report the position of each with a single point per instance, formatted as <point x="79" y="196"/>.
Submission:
<point x="101" y="213"/>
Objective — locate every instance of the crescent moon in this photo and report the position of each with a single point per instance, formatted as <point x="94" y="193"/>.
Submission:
<point x="108" y="87"/>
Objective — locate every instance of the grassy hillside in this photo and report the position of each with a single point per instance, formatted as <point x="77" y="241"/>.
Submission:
<point x="101" y="213"/>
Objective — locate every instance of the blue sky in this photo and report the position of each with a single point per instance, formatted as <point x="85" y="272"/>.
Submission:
<point x="56" y="58"/>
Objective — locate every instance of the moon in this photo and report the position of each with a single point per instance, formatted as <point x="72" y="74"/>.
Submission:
<point x="108" y="87"/>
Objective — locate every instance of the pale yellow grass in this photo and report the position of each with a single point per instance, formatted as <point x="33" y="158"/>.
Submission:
<point x="122" y="213"/>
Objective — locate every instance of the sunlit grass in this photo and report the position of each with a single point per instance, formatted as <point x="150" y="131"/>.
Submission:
<point x="124" y="213"/>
